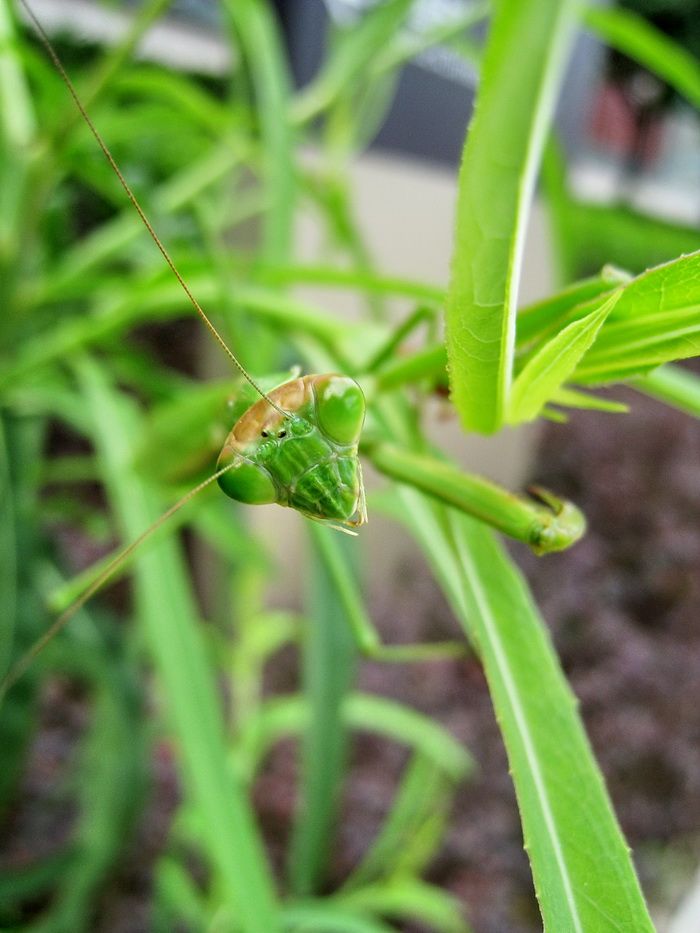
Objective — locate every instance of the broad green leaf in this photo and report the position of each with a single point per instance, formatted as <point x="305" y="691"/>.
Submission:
<point x="543" y="318"/>
<point x="656" y="320"/>
<point x="583" y="875"/>
<point x="554" y="362"/>
<point x="526" y="54"/>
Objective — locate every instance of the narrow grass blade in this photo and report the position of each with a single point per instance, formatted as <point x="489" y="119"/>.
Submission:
<point x="354" y="51"/>
<point x="17" y="117"/>
<point x="411" y="831"/>
<point x="526" y="54"/>
<point x="263" y="48"/>
<point x="284" y="716"/>
<point x="329" y="659"/>
<point x="165" y="607"/>
<point x="572" y="398"/>
<point x="583" y="875"/>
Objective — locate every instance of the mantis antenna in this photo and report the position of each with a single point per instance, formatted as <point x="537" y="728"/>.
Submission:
<point x="132" y="197"/>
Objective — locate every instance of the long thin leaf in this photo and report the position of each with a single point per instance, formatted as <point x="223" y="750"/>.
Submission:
<point x="583" y="875"/>
<point x="527" y="51"/>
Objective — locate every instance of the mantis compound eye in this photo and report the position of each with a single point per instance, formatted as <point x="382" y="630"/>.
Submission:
<point x="340" y="408"/>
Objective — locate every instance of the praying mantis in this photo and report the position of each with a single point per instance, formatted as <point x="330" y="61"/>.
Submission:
<point x="298" y="445"/>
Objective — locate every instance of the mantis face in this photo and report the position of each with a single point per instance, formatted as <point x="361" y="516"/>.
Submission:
<point x="305" y="459"/>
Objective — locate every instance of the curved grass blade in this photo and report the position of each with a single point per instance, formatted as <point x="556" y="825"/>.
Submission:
<point x="410" y="899"/>
<point x="525" y="57"/>
<point x="412" y="830"/>
<point x="364" y="712"/>
<point x="318" y="916"/>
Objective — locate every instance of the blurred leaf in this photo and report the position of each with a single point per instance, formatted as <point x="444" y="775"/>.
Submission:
<point x="329" y="664"/>
<point x="412" y="830"/>
<point x="411" y="900"/>
<point x="677" y="387"/>
<point x="638" y="39"/>
<point x="355" y="48"/>
<point x="319" y="916"/>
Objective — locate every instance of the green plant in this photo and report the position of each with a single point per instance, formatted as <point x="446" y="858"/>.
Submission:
<point x="76" y="279"/>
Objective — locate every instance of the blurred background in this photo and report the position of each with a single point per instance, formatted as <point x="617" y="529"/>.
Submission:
<point x="621" y="187"/>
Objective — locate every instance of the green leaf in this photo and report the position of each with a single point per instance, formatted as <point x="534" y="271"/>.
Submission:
<point x="329" y="665"/>
<point x="527" y="52"/>
<point x="554" y="362"/>
<point x="656" y="320"/>
<point x="412" y="830"/>
<point x="583" y="875"/>
<point x="356" y="48"/>
<point x="319" y="916"/>
<point x="410" y="899"/>
<point x="571" y="398"/>
<point x="363" y="711"/>
<point x="640" y="40"/>
<point x="263" y="47"/>
<point x="674" y="386"/>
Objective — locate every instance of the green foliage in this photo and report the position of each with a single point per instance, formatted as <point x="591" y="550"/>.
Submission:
<point x="79" y="280"/>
